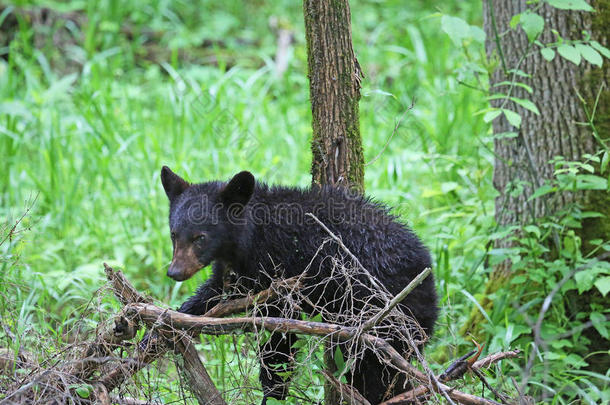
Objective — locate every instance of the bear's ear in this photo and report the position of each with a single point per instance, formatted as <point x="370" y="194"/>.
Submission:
<point x="173" y="184"/>
<point x="239" y="189"/>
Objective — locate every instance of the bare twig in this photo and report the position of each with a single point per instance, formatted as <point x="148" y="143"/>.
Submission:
<point x="396" y="126"/>
<point x="337" y="239"/>
<point x="122" y="288"/>
<point x="371" y="323"/>
<point x="131" y="401"/>
<point x="200" y="382"/>
<point x="236" y="306"/>
<point x="496" y="393"/>
<point x="494" y="358"/>
<point x="417" y="392"/>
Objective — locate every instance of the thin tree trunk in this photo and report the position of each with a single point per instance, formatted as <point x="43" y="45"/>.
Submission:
<point x="559" y="130"/>
<point x="334" y="88"/>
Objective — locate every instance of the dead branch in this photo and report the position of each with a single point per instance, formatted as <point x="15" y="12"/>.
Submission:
<point x="496" y="393"/>
<point x="99" y="351"/>
<point x="176" y="329"/>
<point x="460" y="366"/>
<point x="100" y="394"/>
<point x="236" y="306"/>
<point x="496" y="357"/>
<point x="348" y="393"/>
<point x="339" y="241"/>
<point x="127" y="294"/>
<point x="122" y="288"/>
<point x="129" y="367"/>
<point x="415" y="393"/>
<point x="151" y="314"/>
<point x="371" y="323"/>
<point x="199" y="380"/>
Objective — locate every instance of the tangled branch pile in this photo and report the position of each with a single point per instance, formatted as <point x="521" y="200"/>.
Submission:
<point x="93" y="371"/>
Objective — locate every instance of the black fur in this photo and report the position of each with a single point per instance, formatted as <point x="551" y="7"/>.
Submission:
<point x="254" y="229"/>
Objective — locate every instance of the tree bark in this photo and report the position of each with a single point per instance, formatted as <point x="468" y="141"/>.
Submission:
<point x="334" y="87"/>
<point x="559" y="130"/>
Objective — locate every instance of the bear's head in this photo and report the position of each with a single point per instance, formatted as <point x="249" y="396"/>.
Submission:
<point x="205" y="220"/>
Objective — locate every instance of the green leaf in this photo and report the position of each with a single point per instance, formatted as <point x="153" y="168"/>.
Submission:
<point x="601" y="49"/>
<point x="496" y="96"/>
<point x="519" y="72"/>
<point x="477" y="34"/>
<point x="524" y="86"/>
<point x="603" y="285"/>
<point x="548" y="54"/>
<point x="584" y="281"/>
<point x="570" y="53"/>
<point x="532" y="24"/>
<point x="571" y="5"/>
<point x="456" y="28"/>
<point x="591" y="182"/>
<point x="83" y="390"/>
<point x="532" y="229"/>
<point x="605" y="160"/>
<point x="449" y="186"/>
<point x="519" y="84"/>
<point x="515" y="21"/>
<point x="339" y="360"/>
<point x="513" y="118"/>
<point x="527" y="104"/>
<point x="476" y="304"/>
<point x="491" y="115"/>
<point x="586" y="278"/>
<point x="599" y="322"/>
<point x="590" y="54"/>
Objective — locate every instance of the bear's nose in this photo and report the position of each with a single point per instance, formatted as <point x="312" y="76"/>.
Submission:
<point x="176" y="272"/>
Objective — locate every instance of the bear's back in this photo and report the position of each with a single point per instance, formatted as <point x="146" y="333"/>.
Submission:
<point x="289" y="237"/>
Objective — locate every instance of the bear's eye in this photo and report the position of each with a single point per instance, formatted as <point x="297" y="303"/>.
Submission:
<point x="173" y="235"/>
<point x="200" y="238"/>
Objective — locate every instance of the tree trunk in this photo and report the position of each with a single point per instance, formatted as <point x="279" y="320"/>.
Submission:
<point x="559" y="130"/>
<point x="334" y="89"/>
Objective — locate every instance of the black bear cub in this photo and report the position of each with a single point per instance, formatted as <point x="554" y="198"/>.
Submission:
<point x="261" y="232"/>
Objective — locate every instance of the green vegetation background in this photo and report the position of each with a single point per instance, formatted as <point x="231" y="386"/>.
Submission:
<point x="88" y="116"/>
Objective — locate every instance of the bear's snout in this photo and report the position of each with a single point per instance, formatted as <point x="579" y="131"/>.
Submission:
<point x="184" y="264"/>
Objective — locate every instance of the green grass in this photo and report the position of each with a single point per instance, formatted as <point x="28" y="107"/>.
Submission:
<point x="89" y="144"/>
<point x="86" y="126"/>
